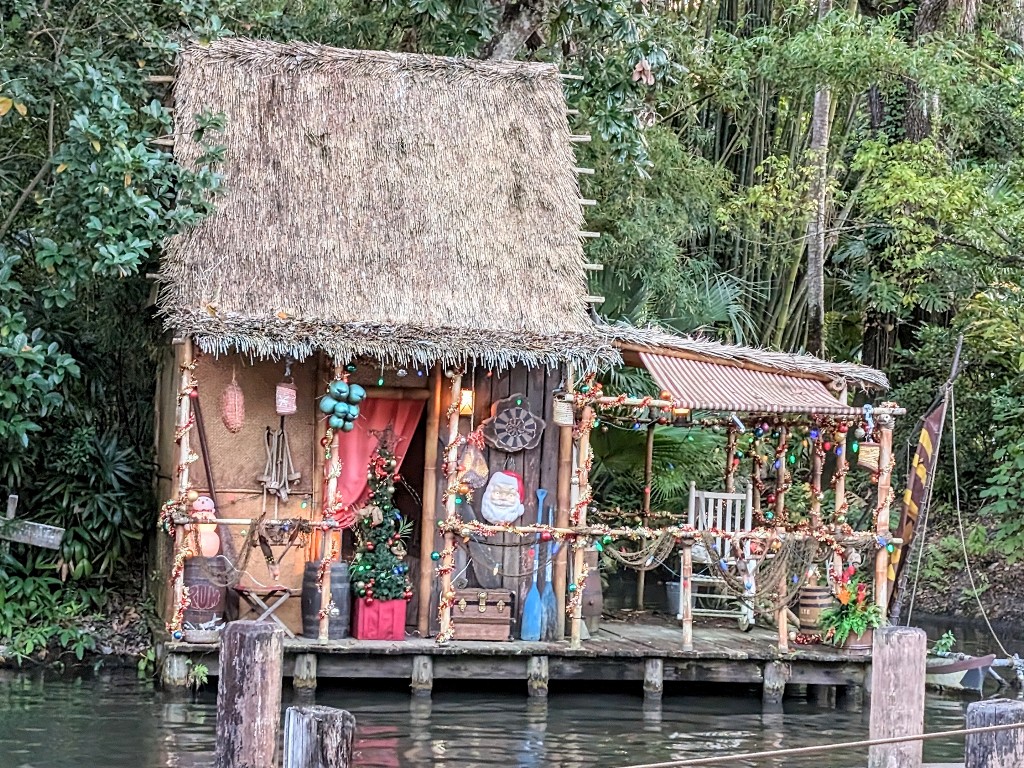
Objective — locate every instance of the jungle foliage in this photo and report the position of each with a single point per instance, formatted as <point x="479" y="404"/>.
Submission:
<point x="708" y="188"/>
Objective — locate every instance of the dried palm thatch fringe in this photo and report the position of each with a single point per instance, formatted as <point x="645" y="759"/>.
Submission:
<point x="654" y="338"/>
<point x="410" y="207"/>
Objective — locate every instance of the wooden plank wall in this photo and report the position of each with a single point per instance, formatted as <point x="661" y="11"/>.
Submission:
<point x="538" y="467"/>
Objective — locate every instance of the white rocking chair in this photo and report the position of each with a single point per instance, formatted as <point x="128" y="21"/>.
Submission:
<point x="729" y="513"/>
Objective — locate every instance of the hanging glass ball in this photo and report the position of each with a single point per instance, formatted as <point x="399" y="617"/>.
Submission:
<point x="572" y="587"/>
<point x="435" y="556"/>
<point x="859" y="433"/>
<point x="401" y="373"/>
<point x="351" y="368"/>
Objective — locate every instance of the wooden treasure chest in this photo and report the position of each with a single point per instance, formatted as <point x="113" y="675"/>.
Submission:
<point x="483" y="614"/>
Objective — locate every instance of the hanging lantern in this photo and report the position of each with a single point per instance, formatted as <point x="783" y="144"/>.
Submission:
<point x="232" y="406"/>
<point x="286" y="394"/>
<point x="867" y="456"/>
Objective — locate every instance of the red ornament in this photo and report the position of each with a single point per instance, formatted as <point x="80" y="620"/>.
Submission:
<point x="770" y="498"/>
<point x="324" y="442"/>
<point x="369" y="599"/>
<point x="194" y="393"/>
<point x="370" y="546"/>
<point x="545" y="535"/>
<point x="827" y="446"/>
<point x="844" y="427"/>
<point x="407" y="595"/>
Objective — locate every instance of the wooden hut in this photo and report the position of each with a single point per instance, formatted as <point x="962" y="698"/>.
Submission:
<point x="412" y="225"/>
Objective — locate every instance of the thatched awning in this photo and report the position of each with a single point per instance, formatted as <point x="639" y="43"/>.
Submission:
<point x="411" y="208"/>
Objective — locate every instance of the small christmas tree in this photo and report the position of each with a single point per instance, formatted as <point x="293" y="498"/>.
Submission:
<point x="379" y="570"/>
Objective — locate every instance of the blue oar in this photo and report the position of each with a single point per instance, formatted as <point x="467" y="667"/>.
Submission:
<point x="549" y="606"/>
<point x="533" y="613"/>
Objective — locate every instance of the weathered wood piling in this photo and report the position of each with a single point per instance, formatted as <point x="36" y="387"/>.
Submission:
<point x="318" y="737"/>
<point x="996" y="749"/>
<point x="897" y="695"/>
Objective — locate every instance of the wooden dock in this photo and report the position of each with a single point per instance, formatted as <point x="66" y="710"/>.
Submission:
<point x="628" y="652"/>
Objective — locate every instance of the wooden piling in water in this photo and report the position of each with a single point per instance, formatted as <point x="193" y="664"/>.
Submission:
<point x="249" y="695"/>
<point x="999" y="749"/>
<point x="318" y="737"/>
<point x="897" y="695"/>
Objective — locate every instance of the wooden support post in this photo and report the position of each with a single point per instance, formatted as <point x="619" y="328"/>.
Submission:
<point x="537" y="676"/>
<point x="428" y="522"/>
<point x="174" y="673"/>
<point x="654" y="679"/>
<point x="422" y="683"/>
<point x="184" y="450"/>
<point x="641" y="574"/>
<point x="304" y="673"/>
<point x="587" y="422"/>
<point x="817" y="455"/>
<point x="730" y="455"/>
<point x="998" y="749"/>
<point x="897" y="695"/>
<point x="885" y="464"/>
<point x="849" y="697"/>
<point x="452" y="461"/>
<point x="12" y="510"/>
<point x="686" y="594"/>
<point x="563" y="503"/>
<point x="820" y="695"/>
<point x="776" y="675"/>
<point x="318" y="737"/>
<point x="332" y="470"/>
<point x="249" y="695"/>
<point x="782" y="616"/>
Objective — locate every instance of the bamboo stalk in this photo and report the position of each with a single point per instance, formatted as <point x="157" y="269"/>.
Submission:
<point x="452" y="458"/>
<point x="332" y="468"/>
<point x="686" y="595"/>
<point x="579" y="563"/>
<point x="783" y="615"/>
<point x="816" y="469"/>
<point x="428" y="522"/>
<point x="641" y="576"/>
<point x="184" y="448"/>
<point x="730" y="454"/>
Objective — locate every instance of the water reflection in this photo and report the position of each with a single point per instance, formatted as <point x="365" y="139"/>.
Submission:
<point x="114" y="721"/>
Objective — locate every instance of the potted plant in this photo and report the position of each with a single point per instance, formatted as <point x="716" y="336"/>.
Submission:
<point x="849" y="624"/>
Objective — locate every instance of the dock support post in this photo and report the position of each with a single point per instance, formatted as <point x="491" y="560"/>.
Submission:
<point x="422" y="675"/>
<point x="849" y="697"/>
<point x="249" y="695"/>
<point x="318" y="737"/>
<point x="175" y="671"/>
<point x="776" y="675"/>
<point x="897" y="695"/>
<point x="537" y="676"/>
<point x="686" y="594"/>
<point x="304" y="674"/>
<point x="999" y="749"/>
<point x="819" y="695"/>
<point x="654" y="679"/>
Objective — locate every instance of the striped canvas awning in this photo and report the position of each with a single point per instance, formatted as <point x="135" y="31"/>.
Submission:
<point x="706" y="386"/>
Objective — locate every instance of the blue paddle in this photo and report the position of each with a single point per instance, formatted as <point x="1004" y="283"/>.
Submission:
<point x="548" y="605"/>
<point x="533" y="612"/>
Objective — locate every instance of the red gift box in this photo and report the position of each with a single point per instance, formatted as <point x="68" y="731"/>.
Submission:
<point x="379" y="620"/>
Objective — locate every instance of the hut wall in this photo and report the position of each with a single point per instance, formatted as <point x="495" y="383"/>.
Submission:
<point x="538" y="468"/>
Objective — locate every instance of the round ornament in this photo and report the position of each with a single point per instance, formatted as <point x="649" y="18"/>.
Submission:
<point x="342" y="410"/>
<point x="356" y="394"/>
<point x="336" y="422"/>
<point x="339" y="389"/>
<point x="512" y="426"/>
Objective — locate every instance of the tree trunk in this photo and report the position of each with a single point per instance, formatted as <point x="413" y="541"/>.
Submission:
<point x="817" y="225"/>
<point x="519" y="20"/>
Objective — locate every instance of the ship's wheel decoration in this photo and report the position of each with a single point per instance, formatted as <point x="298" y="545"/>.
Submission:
<point x="513" y="427"/>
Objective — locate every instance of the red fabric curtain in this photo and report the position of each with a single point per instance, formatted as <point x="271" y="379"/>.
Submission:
<point x="356" y="447"/>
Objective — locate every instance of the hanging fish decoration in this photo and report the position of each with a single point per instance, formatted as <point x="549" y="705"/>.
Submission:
<point x="232" y="406"/>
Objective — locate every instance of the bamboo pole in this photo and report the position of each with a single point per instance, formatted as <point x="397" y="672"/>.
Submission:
<point x="782" y="617"/>
<point x="686" y="595"/>
<point x="885" y="424"/>
<point x="428" y="521"/>
<point x="842" y="467"/>
<point x="641" y="575"/>
<point x="564" y="501"/>
<point x="816" y="469"/>
<point x="184" y="449"/>
<point x="452" y="459"/>
<point x="332" y="468"/>
<point x="579" y="563"/>
<point x="730" y="456"/>
<point x="783" y="614"/>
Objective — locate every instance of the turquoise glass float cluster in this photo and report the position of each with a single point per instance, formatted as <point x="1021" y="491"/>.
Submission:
<point x="341" y="404"/>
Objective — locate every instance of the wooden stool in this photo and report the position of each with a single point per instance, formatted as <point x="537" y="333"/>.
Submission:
<point x="260" y="601"/>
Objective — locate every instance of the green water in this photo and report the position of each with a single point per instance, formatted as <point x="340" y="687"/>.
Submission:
<point x="114" y="721"/>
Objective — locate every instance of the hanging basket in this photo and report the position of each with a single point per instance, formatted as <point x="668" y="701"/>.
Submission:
<point x="232" y="406"/>
<point x="286" y="398"/>
<point x="563" y="413"/>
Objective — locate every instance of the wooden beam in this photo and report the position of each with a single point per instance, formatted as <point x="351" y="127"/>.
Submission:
<point x="586" y="201"/>
<point x="580" y="138"/>
<point x="163" y="141"/>
<point x="398" y="393"/>
<point x="594" y="267"/>
<point x="563" y="503"/>
<point x="584" y="171"/>
<point x="572" y="112"/>
<point x="594" y="299"/>
<point x="579" y="558"/>
<point x="452" y="460"/>
<point x="567" y="76"/>
<point x="161" y="79"/>
<point x="885" y="463"/>
<point x="428" y="520"/>
<point x="588" y="234"/>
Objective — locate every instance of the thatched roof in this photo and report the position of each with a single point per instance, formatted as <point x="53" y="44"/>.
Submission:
<point x="654" y="339"/>
<point x="411" y="208"/>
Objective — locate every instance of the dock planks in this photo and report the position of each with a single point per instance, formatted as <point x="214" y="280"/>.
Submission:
<point x="618" y="651"/>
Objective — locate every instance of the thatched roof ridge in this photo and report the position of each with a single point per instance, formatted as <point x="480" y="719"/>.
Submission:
<point x="654" y="339"/>
<point x="413" y="208"/>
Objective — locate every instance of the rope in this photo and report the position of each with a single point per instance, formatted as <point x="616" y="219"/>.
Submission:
<point x="648" y="557"/>
<point x="960" y="525"/>
<point x="279" y="472"/>
<point x="820" y="748"/>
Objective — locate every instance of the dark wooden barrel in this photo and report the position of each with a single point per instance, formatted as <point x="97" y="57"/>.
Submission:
<point x="813" y="600"/>
<point x="204" y="577"/>
<point x="337" y="626"/>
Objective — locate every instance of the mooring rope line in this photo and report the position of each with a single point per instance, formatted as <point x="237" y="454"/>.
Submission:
<point x="819" y="748"/>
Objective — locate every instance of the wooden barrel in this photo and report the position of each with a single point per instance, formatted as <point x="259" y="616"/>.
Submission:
<point x="813" y="600"/>
<point x="337" y="626"/>
<point x="204" y="578"/>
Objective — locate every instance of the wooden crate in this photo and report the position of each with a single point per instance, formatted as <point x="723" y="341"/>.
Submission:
<point x="483" y="614"/>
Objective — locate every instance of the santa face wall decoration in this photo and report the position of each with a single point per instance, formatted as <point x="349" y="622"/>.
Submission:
<point x="503" y="500"/>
